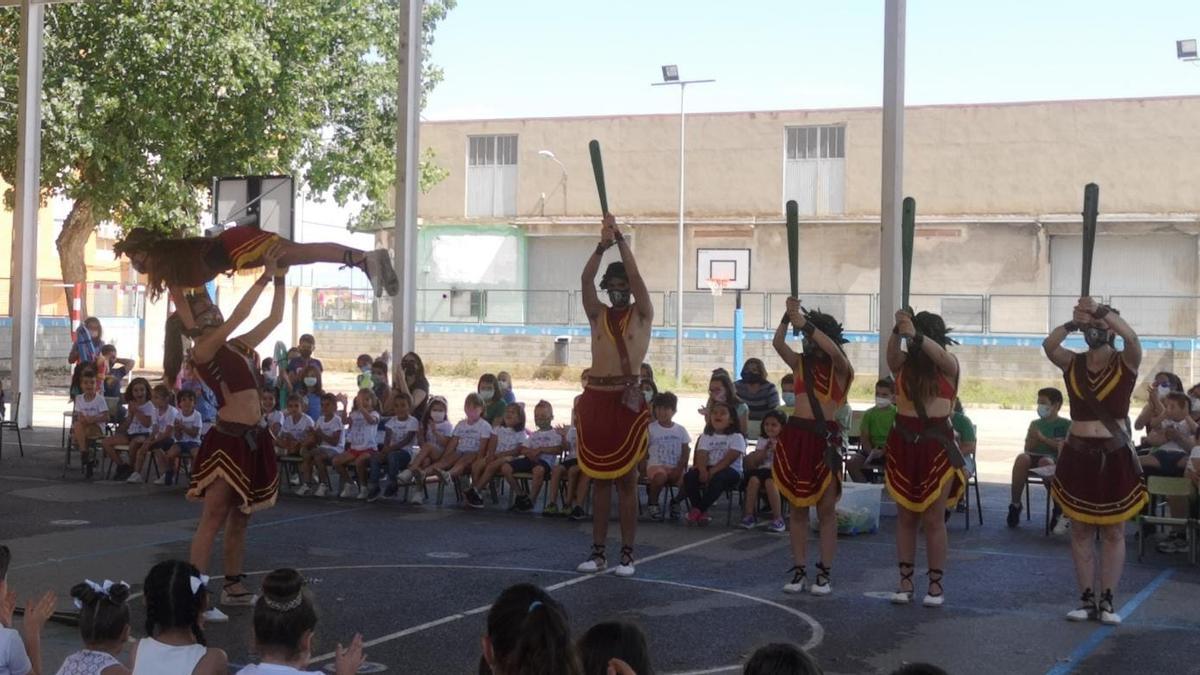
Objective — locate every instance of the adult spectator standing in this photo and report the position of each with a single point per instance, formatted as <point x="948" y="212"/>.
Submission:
<point x="85" y="351"/>
<point x="1096" y="481"/>
<point x="414" y="378"/>
<point x="758" y="393"/>
<point x="613" y="418"/>
<point x="297" y="365"/>
<point x="117" y="369"/>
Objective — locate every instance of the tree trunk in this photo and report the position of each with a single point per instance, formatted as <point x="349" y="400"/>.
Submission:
<point x="72" y="245"/>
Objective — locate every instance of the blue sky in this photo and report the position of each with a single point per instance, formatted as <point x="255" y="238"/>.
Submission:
<point x="526" y="58"/>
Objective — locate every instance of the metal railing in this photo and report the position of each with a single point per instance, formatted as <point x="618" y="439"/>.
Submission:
<point x="994" y="313"/>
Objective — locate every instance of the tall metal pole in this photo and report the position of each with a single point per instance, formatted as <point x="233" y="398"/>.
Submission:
<point x="408" y="177"/>
<point x="23" y="300"/>
<point x="892" y="188"/>
<point x="679" y="268"/>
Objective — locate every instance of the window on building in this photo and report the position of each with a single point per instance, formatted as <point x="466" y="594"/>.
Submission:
<point x="815" y="169"/>
<point x="466" y="304"/>
<point x="964" y="314"/>
<point x="491" y="176"/>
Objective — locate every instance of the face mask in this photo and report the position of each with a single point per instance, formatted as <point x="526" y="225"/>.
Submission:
<point x="789" y="399"/>
<point x="719" y="395"/>
<point x="648" y="395"/>
<point x="365" y="369"/>
<point x="1196" y="405"/>
<point x="1043" y="410"/>
<point x="473" y="415"/>
<point x="437" y="415"/>
<point x="1163" y="390"/>
<point x="409" y="369"/>
<point x="618" y="298"/>
<point x="310" y="381"/>
<point x="752" y="376"/>
<point x="881" y="402"/>
<point x="1095" y="337"/>
<point x="487" y="394"/>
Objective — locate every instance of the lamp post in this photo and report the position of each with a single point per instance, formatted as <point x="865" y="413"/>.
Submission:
<point x="563" y="182"/>
<point x="671" y="78"/>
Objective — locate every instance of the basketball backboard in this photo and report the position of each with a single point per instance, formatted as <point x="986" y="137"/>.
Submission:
<point x="732" y="264"/>
<point x="271" y="198"/>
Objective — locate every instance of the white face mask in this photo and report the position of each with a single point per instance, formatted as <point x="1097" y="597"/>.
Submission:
<point x="1043" y="410"/>
<point x="437" y="415"/>
<point x="881" y="402"/>
<point x="1163" y="390"/>
<point x="1195" y="404"/>
<point x="505" y="385"/>
<point x="789" y="399"/>
<point x="486" y="394"/>
<point x="648" y="395"/>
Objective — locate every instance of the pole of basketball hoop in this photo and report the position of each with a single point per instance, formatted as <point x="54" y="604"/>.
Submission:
<point x="738" y="337"/>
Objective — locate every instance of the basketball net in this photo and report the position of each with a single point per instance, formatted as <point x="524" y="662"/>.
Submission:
<point x="717" y="285"/>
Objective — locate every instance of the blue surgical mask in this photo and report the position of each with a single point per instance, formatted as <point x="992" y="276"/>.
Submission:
<point x="1043" y="410"/>
<point x="789" y="399"/>
<point x="487" y="394"/>
<point x="310" y="381"/>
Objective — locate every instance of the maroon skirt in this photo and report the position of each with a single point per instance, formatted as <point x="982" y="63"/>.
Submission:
<point x="1096" y="481"/>
<point x="917" y="467"/>
<point x="799" y="468"/>
<point x="251" y="470"/>
<point x="612" y="437"/>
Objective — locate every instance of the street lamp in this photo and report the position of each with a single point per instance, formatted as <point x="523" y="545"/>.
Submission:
<point x="1185" y="50"/>
<point x="671" y="77"/>
<point x="563" y="182"/>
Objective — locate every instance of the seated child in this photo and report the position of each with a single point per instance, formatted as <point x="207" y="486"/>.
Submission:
<point x="718" y="462"/>
<point x="567" y="470"/>
<point x="1173" y="432"/>
<point x="362" y="443"/>
<point x="873" y="432"/>
<point x="186" y="435"/>
<point x="327" y="444"/>
<point x="176" y="596"/>
<point x="787" y="394"/>
<point x="468" y="442"/>
<point x="295" y="429"/>
<point x="506" y="446"/>
<point x="537" y="456"/>
<point x="90" y="416"/>
<point x="1043" y="441"/>
<point x="435" y="435"/>
<point x="134" y="430"/>
<point x="162" y="436"/>
<point x="668" y="455"/>
<point x="397" y="453"/>
<point x="104" y="627"/>
<point x="760" y="476"/>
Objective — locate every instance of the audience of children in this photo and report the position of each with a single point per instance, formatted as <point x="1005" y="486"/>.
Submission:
<point x="185" y="438"/>
<point x="134" y="430"/>
<point x="509" y="437"/>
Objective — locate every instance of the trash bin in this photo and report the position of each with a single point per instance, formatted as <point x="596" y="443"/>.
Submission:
<point x="562" y="350"/>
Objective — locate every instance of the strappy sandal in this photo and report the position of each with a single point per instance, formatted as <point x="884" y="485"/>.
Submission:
<point x="1087" y="610"/>
<point x="240" y="599"/>
<point x="596" y="562"/>
<point x="934" y="599"/>
<point x="1107" y="615"/>
<point x="626" y="568"/>
<point x="822" y="586"/>
<point x="903" y="597"/>
<point x="799" y="580"/>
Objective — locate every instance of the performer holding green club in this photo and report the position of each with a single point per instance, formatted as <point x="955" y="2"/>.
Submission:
<point x="923" y="469"/>
<point x="1096" y="481"/>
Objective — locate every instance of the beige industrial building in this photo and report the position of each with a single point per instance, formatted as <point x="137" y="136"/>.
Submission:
<point x="998" y="189"/>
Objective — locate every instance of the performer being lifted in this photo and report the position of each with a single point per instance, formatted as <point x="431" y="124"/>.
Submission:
<point x="807" y="465"/>
<point x="923" y="469"/>
<point x="1096" y="481"/>
<point x="613" y="416"/>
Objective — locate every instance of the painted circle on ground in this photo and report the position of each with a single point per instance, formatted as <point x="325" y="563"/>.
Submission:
<point x="447" y="555"/>
<point x="67" y="522"/>
<point x="366" y="667"/>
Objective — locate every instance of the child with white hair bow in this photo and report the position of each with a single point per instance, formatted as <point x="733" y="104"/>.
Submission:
<point x="103" y="626"/>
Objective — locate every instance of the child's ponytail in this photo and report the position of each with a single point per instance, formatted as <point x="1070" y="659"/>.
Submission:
<point x="530" y="634"/>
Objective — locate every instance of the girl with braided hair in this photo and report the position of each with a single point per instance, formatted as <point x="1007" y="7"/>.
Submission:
<point x="806" y="466"/>
<point x="191" y="262"/>
<point x="176" y="596"/>
<point x="923" y="467"/>
<point x="104" y="627"/>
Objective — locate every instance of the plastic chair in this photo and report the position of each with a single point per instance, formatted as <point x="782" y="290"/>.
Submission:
<point x="11" y="423"/>
<point x="1163" y="486"/>
<point x="1037" y="479"/>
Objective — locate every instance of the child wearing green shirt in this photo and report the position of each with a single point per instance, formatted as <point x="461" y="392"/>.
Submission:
<point x="1042" y="442"/>
<point x="873" y="432"/>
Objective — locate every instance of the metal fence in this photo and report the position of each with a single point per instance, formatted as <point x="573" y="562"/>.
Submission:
<point x="102" y="299"/>
<point x="1165" y="316"/>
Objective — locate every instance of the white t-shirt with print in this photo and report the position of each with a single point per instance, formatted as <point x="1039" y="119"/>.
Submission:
<point x="718" y="445"/>
<point x="445" y="428"/>
<point x="93" y="408"/>
<point x="136" y="427"/>
<point x="542" y="439"/>
<point x="164" y="420"/>
<point x="363" y="429"/>
<point x="13" y="658"/>
<point x="508" y="440"/>
<point x="398" y="429"/>
<point x="332" y="427"/>
<point x="295" y="429"/>
<point x="193" y="421"/>
<point x="1171" y="445"/>
<point x="666" y="443"/>
<point x="472" y="436"/>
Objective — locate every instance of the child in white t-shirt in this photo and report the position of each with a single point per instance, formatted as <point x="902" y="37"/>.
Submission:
<point x="295" y="432"/>
<point x="361" y="443"/>
<point x="185" y="434"/>
<point x="400" y="438"/>
<point x="567" y="470"/>
<point x="760" y="478"/>
<point x="21" y="652"/>
<point x="718" y="462"/>
<point x="134" y="430"/>
<point x="469" y="439"/>
<point x="508" y="437"/>
<point x="538" y="454"/>
<point x="161" y="438"/>
<point x="668" y="455"/>
<point x="328" y="434"/>
<point x="90" y="416"/>
<point x="434" y="437"/>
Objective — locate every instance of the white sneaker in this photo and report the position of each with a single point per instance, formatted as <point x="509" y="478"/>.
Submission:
<point x="362" y="492"/>
<point x="302" y="491"/>
<point x="161" y="480"/>
<point x="444" y="475"/>
<point x="623" y="570"/>
<point x="1063" y="526"/>
<point x="322" y="491"/>
<point x="901" y="598"/>
<point x="403" y="477"/>
<point x="799" y="581"/>
<point x="591" y="566"/>
<point x="1110" y="618"/>
<point x="134" y="477"/>
<point x="214" y="615"/>
<point x="294" y="480"/>
<point x="818" y="589"/>
<point x="1081" y="614"/>
<point x="415" y="496"/>
<point x="348" y="491"/>
<point x="933" y="600"/>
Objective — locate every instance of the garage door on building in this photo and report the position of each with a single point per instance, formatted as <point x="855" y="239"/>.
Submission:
<point x="554" y="266"/>
<point x="1151" y="279"/>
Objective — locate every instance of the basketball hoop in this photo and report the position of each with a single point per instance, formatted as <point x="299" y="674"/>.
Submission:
<point x="717" y="285"/>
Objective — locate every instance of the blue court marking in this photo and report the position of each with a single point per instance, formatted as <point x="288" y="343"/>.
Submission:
<point x="1089" y="645"/>
<point x="176" y="540"/>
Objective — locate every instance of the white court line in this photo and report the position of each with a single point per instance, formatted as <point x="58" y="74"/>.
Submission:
<point x="818" y="632"/>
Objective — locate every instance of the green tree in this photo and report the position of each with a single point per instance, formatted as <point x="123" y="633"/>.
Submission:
<point x="145" y="101"/>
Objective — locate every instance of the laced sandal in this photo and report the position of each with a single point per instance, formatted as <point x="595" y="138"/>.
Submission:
<point x="236" y="599"/>
<point x="596" y="562"/>
<point x="626" y="568"/>
<point x="1108" y="615"/>
<point x="822" y="585"/>
<point x="934" y="599"/>
<point x="1087" y="610"/>
<point x="799" y="580"/>
<point x="903" y="597"/>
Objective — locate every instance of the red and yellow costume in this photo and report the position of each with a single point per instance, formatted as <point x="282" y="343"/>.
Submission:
<point x="245" y="245"/>
<point x="244" y="457"/>
<point x="799" y="468"/>
<point x="917" y="465"/>
<point x="612" y="436"/>
<point x="1096" y="480"/>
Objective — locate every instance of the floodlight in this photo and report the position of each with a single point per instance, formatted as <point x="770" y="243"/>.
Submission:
<point x="671" y="73"/>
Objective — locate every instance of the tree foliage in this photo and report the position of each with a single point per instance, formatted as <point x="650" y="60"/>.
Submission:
<point x="145" y="101"/>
